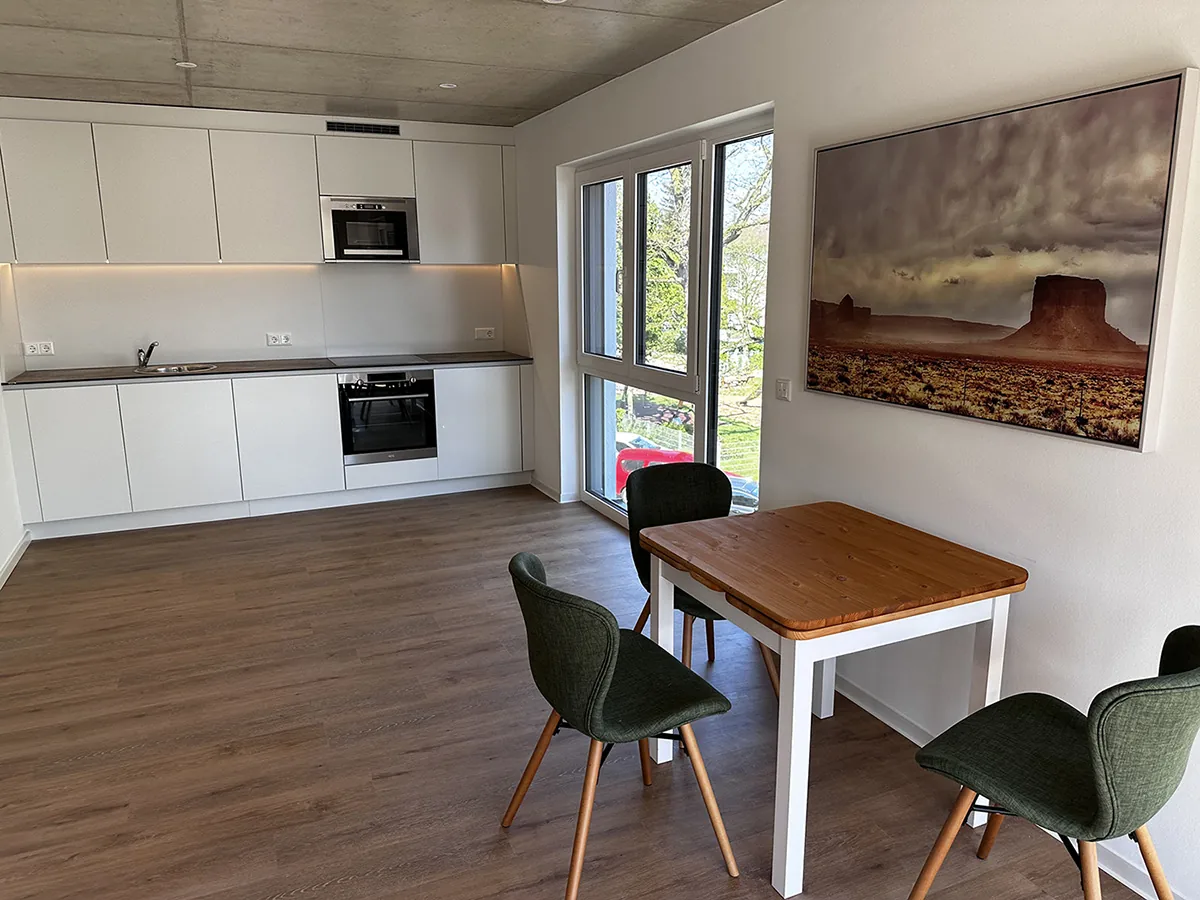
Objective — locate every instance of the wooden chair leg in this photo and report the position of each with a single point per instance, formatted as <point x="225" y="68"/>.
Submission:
<point x="643" y="617"/>
<point x="710" y="634"/>
<point x="647" y="765"/>
<point x="1090" y="870"/>
<point x="710" y="799"/>
<point x="995" y="820"/>
<point x="590" y="777"/>
<point x="1157" y="876"/>
<point x="772" y="669"/>
<point x="531" y="768"/>
<point x="958" y="814"/>
<point x="688" y="622"/>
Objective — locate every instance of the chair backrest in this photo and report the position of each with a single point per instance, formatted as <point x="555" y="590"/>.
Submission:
<point x="573" y="643"/>
<point x="1142" y="734"/>
<point x="669" y="494"/>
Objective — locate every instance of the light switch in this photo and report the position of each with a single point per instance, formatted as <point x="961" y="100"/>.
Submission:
<point x="783" y="389"/>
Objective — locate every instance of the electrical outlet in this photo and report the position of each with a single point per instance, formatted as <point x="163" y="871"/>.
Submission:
<point x="285" y="339"/>
<point x="279" y="338"/>
<point x="33" y="348"/>
<point x="46" y="348"/>
<point x="783" y="389"/>
<point x="272" y="339"/>
<point x="485" y="334"/>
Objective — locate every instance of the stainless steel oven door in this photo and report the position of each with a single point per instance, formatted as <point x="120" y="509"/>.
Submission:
<point x="386" y="417"/>
<point x="361" y="229"/>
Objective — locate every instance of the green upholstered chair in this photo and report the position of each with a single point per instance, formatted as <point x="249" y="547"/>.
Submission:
<point x="667" y="495"/>
<point x="1086" y="778"/>
<point x="611" y="684"/>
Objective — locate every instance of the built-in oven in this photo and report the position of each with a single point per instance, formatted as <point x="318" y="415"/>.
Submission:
<point x="387" y="416"/>
<point x="358" y="229"/>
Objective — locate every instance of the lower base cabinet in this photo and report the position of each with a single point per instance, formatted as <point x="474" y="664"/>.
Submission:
<point x="78" y="451"/>
<point x="181" y="443"/>
<point x="479" y="421"/>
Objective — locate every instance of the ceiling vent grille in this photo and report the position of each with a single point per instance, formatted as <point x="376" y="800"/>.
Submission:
<point x="362" y="128"/>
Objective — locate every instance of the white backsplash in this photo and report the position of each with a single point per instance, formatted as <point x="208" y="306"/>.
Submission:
<point x="98" y="315"/>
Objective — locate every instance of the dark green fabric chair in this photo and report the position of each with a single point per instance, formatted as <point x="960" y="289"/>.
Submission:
<point x="611" y="684"/>
<point x="1087" y="777"/>
<point x="667" y="495"/>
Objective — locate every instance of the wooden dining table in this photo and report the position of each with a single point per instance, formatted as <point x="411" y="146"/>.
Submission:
<point x="815" y="582"/>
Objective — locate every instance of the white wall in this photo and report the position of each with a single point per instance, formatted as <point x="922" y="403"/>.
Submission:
<point x="1111" y="538"/>
<point x="99" y="315"/>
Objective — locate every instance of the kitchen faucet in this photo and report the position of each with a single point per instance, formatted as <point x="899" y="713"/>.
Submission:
<point x="143" y="356"/>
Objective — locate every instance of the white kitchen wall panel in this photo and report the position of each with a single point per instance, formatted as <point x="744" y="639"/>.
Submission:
<point x="289" y="435"/>
<point x="479" y="420"/>
<point x="7" y="251"/>
<point x="460" y="202"/>
<point x="509" y="160"/>
<point x="22" y="456"/>
<point x="156" y="190"/>
<point x="79" y="451"/>
<point x="268" y="209"/>
<point x="50" y="175"/>
<point x="181" y="441"/>
<point x="365" y="167"/>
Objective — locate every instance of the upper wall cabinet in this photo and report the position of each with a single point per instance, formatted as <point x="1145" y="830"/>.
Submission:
<point x="50" y="171"/>
<point x="460" y="202"/>
<point x="267" y="205"/>
<point x="7" y="253"/>
<point x="365" y="167"/>
<point x="156" y="185"/>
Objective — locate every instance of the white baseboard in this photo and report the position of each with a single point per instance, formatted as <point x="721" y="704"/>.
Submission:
<point x="1129" y="873"/>
<point x="556" y="495"/>
<point x="248" y="509"/>
<point x="15" y="557"/>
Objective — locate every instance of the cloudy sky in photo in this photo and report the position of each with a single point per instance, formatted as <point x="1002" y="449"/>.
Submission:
<point x="958" y="221"/>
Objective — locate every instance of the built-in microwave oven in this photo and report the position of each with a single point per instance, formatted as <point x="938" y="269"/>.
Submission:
<point x="360" y="229"/>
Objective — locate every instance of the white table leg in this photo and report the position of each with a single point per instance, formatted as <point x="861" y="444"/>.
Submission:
<point x="662" y="632"/>
<point x="823" y="678"/>
<point x="791" y="768"/>
<point x="986" y="671"/>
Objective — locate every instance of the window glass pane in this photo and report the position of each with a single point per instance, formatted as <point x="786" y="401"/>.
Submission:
<point x="602" y="268"/>
<point x="742" y="221"/>
<point x="628" y="428"/>
<point x="664" y="233"/>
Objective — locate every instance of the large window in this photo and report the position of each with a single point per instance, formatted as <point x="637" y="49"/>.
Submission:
<point x="672" y="284"/>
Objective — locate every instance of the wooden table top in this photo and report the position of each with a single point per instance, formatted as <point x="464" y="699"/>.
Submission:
<point x="805" y="571"/>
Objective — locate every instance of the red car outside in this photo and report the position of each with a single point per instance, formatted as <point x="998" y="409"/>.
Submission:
<point x="633" y="458"/>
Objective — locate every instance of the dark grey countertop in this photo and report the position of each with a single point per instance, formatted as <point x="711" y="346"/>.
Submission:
<point x="45" y="377"/>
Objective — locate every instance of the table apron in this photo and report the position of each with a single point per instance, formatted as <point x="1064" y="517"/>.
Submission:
<point x="717" y="602"/>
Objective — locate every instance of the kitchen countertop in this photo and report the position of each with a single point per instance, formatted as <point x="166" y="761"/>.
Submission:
<point x="113" y="374"/>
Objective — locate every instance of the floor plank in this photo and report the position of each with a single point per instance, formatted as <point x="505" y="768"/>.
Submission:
<point x="336" y="705"/>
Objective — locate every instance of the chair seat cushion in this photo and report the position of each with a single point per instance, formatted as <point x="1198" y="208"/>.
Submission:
<point x="652" y="692"/>
<point x="690" y="606"/>
<point x="1029" y="754"/>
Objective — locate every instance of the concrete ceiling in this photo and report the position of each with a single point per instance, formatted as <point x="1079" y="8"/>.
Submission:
<point x="511" y="59"/>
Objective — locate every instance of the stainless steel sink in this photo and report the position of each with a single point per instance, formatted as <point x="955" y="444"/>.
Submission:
<point x="190" y="369"/>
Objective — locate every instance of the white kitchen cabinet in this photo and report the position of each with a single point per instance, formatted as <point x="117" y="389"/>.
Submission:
<point x="7" y="252"/>
<point x="393" y="472"/>
<point x="510" y="204"/>
<point x="181" y="441"/>
<point x="365" y="166"/>
<point x="479" y="420"/>
<point x="289" y="435"/>
<point x="527" y="433"/>
<point x="50" y="173"/>
<point x="460" y="202"/>
<point x="79" y="451"/>
<point x="268" y="209"/>
<point x="22" y="456"/>
<point x="156" y="190"/>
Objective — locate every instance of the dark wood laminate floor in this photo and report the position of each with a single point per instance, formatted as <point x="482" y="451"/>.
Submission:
<point x="336" y="705"/>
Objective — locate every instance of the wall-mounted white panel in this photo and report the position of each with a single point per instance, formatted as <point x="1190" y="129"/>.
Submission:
<point x="365" y="166"/>
<point x="22" y="456"/>
<point x="7" y="252"/>
<point x="181" y="441"/>
<point x="156" y="189"/>
<point x="50" y="174"/>
<point x="268" y="209"/>
<point x="460" y="202"/>
<point x="479" y="420"/>
<point x="289" y="435"/>
<point x="399" y="471"/>
<point x="510" y="204"/>
<point x="79" y="451"/>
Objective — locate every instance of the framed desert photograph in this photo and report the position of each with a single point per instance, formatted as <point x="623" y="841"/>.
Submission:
<point x="1015" y="267"/>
